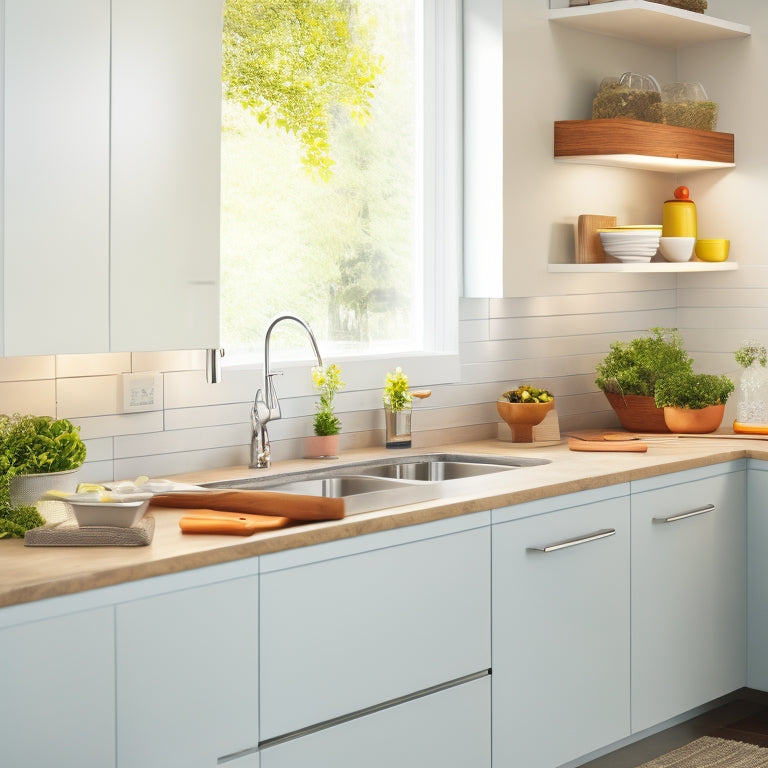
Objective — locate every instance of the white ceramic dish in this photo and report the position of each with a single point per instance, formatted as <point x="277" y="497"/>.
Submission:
<point x="677" y="248"/>
<point x="119" y="514"/>
<point x="631" y="245"/>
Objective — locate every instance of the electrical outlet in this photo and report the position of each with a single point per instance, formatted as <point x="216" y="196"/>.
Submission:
<point x="142" y="391"/>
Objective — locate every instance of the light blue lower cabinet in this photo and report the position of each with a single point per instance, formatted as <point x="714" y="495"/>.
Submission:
<point x="57" y="692"/>
<point x="561" y="628"/>
<point x="689" y="589"/>
<point x="757" y="575"/>
<point x="349" y="625"/>
<point x="187" y="677"/>
<point x="449" y="728"/>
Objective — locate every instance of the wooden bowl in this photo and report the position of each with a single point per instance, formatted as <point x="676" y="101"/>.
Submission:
<point x="523" y="417"/>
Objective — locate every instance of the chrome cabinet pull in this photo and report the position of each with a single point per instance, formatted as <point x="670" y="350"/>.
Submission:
<point x="683" y="515"/>
<point x="602" y="534"/>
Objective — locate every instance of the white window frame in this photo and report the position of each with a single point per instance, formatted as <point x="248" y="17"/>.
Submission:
<point x="442" y="98"/>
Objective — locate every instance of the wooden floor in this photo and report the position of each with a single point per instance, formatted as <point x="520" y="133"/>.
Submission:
<point x="745" y="718"/>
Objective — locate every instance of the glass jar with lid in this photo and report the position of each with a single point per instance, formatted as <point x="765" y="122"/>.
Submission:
<point x="629" y="95"/>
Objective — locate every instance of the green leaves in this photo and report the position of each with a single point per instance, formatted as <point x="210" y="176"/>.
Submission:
<point x="692" y="390"/>
<point x="634" y="367"/>
<point x="294" y="63"/>
<point x="396" y="395"/>
<point x="327" y="381"/>
<point x="31" y="445"/>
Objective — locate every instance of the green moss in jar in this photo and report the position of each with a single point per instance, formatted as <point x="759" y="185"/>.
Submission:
<point x="616" y="100"/>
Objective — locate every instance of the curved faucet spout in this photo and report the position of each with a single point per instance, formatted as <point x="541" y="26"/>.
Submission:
<point x="266" y="406"/>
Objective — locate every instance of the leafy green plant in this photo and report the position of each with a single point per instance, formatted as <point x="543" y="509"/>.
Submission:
<point x="635" y="367"/>
<point x="396" y="395"/>
<point x="297" y="64"/>
<point x="750" y="351"/>
<point x="32" y="445"/>
<point x="327" y="381"/>
<point x="692" y="390"/>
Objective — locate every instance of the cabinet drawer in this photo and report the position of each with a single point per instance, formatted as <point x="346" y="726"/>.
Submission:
<point x="450" y="729"/>
<point x="688" y="596"/>
<point x="341" y="635"/>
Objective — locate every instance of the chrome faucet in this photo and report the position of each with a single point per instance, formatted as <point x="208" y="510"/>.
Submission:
<point x="266" y="406"/>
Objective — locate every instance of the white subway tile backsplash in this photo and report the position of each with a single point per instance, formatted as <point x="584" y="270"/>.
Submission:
<point x="120" y="424"/>
<point x="99" y="449"/>
<point x="555" y="341"/>
<point x="189" y="360"/>
<point x="27" y="368"/>
<point x="35" y="397"/>
<point x="88" y="396"/>
<point x="69" y="366"/>
<point x="161" y="465"/>
<point x="178" y="441"/>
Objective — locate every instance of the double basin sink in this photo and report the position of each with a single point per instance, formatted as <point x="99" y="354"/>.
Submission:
<point x="390" y="482"/>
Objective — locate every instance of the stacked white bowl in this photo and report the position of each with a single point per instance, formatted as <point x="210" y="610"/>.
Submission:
<point x="632" y="243"/>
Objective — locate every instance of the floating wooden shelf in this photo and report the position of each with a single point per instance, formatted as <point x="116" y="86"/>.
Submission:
<point x="637" y="144"/>
<point x="651" y="266"/>
<point x="648" y="23"/>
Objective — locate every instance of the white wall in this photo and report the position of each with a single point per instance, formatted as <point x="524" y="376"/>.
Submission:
<point x="553" y="333"/>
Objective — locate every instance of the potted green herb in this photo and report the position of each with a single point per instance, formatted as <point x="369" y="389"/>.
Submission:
<point x="37" y="453"/>
<point x="752" y="408"/>
<point x="326" y="424"/>
<point x="693" y="402"/>
<point x="630" y="371"/>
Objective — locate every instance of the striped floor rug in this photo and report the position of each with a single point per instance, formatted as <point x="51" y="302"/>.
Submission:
<point x="712" y="752"/>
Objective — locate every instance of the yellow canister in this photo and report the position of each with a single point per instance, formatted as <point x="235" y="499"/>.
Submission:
<point x="679" y="215"/>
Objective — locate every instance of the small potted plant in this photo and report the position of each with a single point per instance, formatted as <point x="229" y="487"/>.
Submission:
<point x="326" y="424"/>
<point x="398" y="404"/>
<point x="629" y="373"/>
<point x="752" y="408"/>
<point x="37" y="454"/>
<point x="693" y="403"/>
<point x="523" y="408"/>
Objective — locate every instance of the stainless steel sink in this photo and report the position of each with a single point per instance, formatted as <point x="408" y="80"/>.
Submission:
<point x="441" y="467"/>
<point x="361" y="493"/>
<point x="390" y="482"/>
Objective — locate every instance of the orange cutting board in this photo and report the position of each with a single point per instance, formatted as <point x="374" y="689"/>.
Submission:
<point x="231" y="523"/>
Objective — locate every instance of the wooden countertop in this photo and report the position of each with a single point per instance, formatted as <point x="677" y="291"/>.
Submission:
<point x="34" y="573"/>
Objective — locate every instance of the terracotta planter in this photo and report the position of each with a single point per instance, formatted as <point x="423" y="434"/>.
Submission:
<point x="696" y="421"/>
<point x="523" y="417"/>
<point x="321" y="447"/>
<point x="637" y="413"/>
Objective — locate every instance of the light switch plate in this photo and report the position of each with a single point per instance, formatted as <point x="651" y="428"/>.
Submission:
<point x="142" y="391"/>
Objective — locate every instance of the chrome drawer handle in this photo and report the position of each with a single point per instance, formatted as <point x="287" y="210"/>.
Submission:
<point x="683" y="515"/>
<point x="602" y="534"/>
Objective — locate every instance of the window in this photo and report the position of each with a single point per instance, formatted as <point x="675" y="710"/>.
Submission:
<point x="348" y="217"/>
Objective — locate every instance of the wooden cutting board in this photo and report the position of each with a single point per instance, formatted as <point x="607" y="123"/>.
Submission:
<point x="623" y="446"/>
<point x="291" y="505"/>
<point x="589" y="249"/>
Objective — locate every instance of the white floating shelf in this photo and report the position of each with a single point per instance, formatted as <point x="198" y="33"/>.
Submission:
<point x="651" y="266"/>
<point x="647" y="163"/>
<point x="649" y="23"/>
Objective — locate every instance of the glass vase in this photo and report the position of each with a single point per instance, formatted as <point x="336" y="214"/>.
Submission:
<point x="397" y="425"/>
<point x="752" y="407"/>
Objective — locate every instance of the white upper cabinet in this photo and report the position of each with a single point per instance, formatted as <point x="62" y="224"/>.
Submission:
<point x="166" y="138"/>
<point x="111" y="143"/>
<point x="56" y="177"/>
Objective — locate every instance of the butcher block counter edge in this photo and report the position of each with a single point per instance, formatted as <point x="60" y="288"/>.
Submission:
<point x="29" y="574"/>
